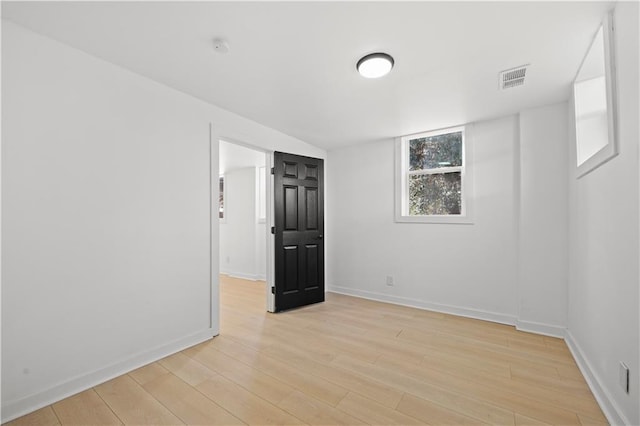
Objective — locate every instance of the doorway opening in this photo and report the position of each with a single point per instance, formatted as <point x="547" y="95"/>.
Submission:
<point x="244" y="214"/>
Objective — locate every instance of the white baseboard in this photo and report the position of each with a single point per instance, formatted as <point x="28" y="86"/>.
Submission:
<point x="612" y="412"/>
<point x="242" y="275"/>
<point x="540" y="328"/>
<point x="421" y="304"/>
<point x="17" y="408"/>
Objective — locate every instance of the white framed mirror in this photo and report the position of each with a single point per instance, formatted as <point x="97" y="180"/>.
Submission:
<point x="594" y="97"/>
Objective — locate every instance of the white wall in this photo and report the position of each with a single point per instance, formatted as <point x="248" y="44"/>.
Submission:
<point x="464" y="269"/>
<point x="543" y="220"/>
<point x="106" y="218"/>
<point x="242" y="238"/>
<point x="510" y="265"/>
<point x="604" y="254"/>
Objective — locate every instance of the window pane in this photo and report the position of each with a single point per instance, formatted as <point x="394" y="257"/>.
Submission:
<point x="435" y="194"/>
<point x="436" y="151"/>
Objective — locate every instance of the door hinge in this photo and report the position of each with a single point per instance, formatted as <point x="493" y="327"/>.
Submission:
<point x="273" y="290"/>
<point x="273" y="230"/>
<point x="273" y="170"/>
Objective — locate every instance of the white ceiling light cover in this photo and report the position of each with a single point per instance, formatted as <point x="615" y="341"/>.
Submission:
<point x="375" y="65"/>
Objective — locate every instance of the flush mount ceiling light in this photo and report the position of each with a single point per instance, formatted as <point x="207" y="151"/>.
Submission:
<point x="375" y="65"/>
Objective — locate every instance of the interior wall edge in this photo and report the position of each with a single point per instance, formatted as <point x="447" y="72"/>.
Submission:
<point x="607" y="403"/>
<point x="20" y="407"/>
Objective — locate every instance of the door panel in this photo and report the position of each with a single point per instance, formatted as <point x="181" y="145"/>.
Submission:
<point x="311" y="207"/>
<point x="299" y="229"/>
<point x="312" y="265"/>
<point x="290" y="208"/>
<point x="290" y="269"/>
<point x="310" y="172"/>
<point x="290" y="169"/>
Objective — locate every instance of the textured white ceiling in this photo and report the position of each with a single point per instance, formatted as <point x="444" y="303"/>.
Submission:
<point x="291" y="65"/>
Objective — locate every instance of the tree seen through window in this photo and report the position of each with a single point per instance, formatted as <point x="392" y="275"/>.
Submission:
<point x="435" y="175"/>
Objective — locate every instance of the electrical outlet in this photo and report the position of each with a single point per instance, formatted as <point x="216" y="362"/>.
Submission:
<point x="228" y="259"/>
<point x="389" y="280"/>
<point x="624" y="376"/>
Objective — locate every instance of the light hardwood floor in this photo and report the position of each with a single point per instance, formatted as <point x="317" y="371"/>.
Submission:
<point x="345" y="361"/>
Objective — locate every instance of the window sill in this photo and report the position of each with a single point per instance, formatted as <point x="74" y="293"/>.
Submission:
<point x="462" y="220"/>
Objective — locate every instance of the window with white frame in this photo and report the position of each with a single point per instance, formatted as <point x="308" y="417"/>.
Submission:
<point x="433" y="178"/>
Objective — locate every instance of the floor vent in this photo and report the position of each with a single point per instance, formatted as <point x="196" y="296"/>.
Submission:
<point x="513" y="77"/>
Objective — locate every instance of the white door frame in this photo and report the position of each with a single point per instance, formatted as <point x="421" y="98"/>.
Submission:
<point x="271" y="279"/>
<point x="215" y="251"/>
<point x="214" y="229"/>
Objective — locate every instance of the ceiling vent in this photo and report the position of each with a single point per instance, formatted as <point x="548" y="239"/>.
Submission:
<point x="513" y="77"/>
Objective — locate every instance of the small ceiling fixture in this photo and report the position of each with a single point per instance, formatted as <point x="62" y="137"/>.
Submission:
<point x="220" y="45"/>
<point x="375" y="65"/>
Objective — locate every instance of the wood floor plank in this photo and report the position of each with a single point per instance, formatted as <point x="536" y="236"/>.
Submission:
<point x="366" y="322"/>
<point x="377" y="391"/>
<point x="187" y="403"/>
<point x="314" y="386"/>
<point x="147" y="373"/>
<point x="458" y="365"/>
<point x="226" y="344"/>
<point x="431" y="413"/>
<point x="187" y="369"/>
<point x="386" y="346"/>
<point x="542" y="350"/>
<point x="560" y="395"/>
<point x="315" y="412"/>
<point x="525" y="399"/>
<point x="134" y="405"/>
<point x="570" y="372"/>
<point x="534" y="368"/>
<point x="528" y="421"/>
<point x="591" y="421"/>
<point x="555" y="384"/>
<point x="333" y="337"/>
<point x="483" y="349"/>
<point x="85" y="408"/>
<point x="373" y="412"/>
<point x="251" y="379"/>
<point x="454" y="401"/>
<point x="244" y="405"/>
<point x="42" y="417"/>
